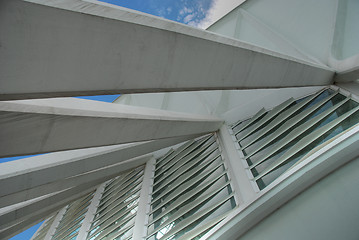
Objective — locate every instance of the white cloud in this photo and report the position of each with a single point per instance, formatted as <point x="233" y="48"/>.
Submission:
<point x="219" y="9"/>
<point x="188" y="18"/>
<point x="185" y="10"/>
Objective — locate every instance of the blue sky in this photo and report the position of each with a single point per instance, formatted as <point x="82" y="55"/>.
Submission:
<point x="191" y="12"/>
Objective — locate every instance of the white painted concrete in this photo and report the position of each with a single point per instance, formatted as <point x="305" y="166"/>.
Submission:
<point x="56" y="222"/>
<point x="288" y="186"/>
<point x="102" y="174"/>
<point x="280" y="25"/>
<point x="327" y="210"/>
<point x="41" y="209"/>
<point x="87" y="49"/>
<point x="239" y="180"/>
<point x="92" y="208"/>
<point x="16" y="220"/>
<point x="140" y="229"/>
<point x="351" y="75"/>
<point x="352" y="87"/>
<point x="19" y="227"/>
<point x="48" y="125"/>
<point x="231" y="105"/>
<point x="263" y="99"/>
<point x="345" y="44"/>
<point x="44" y="174"/>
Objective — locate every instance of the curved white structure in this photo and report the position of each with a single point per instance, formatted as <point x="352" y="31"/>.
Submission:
<point x="263" y="146"/>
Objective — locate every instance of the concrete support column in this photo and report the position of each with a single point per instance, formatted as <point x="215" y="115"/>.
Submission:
<point x="140" y="227"/>
<point x="245" y="190"/>
<point x="56" y="223"/>
<point x="86" y="224"/>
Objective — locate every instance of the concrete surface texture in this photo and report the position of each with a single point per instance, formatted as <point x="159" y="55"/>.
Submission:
<point x="47" y="125"/>
<point x="62" y="48"/>
<point x="81" y="50"/>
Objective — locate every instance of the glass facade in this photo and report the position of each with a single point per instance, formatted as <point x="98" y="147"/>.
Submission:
<point x="193" y="173"/>
<point x="189" y="189"/>
<point x="72" y="219"/>
<point x="273" y="141"/>
<point x="115" y="215"/>
<point x="41" y="234"/>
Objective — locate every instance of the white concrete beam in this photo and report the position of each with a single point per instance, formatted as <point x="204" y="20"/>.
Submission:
<point x="29" y="178"/>
<point x="103" y="174"/>
<point x="48" y="125"/>
<point x="19" y="218"/>
<point x="19" y="227"/>
<point x="40" y="208"/>
<point x="71" y="48"/>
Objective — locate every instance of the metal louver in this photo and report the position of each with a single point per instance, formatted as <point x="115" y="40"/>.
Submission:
<point x="191" y="191"/>
<point x="72" y="219"/>
<point x="115" y="215"/>
<point x="273" y="141"/>
<point x="44" y="228"/>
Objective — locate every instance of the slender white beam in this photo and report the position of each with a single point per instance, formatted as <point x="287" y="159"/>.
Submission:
<point x="71" y="48"/>
<point x="21" y="218"/>
<point x="90" y="214"/>
<point x="41" y="208"/>
<point x="102" y="174"/>
<point x="19" y="227"/>
<point x="139" y="229"/>
<point x="29" y="178"/>
<point x="48" y="125"/>
<point x="56" y="222"/>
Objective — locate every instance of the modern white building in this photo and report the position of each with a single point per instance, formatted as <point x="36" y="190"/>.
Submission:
<point x="248" y="130"/>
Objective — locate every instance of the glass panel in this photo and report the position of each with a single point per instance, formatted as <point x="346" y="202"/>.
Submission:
<point x="248" y="128"/>
<point x="258" y="142"/>
<point x="341" y="110"/>
<point x="264" y="152"/>
<point x="248" y="139"/>
<point x="117" y="209"/>
<point x="187" y="189"/>
<point x="240" y="125"/>
<point x="265" y="146"/>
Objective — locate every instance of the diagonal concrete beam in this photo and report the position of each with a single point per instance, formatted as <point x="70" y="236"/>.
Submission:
<point x="104" y="174"/>
<point x="19" y="227"/>
<point x="43" y="206"/>
<point x="48" y="125"/>
<point x="15" y="219"/>
<point x="36" y="176"/>
<point x="71" y="48"/>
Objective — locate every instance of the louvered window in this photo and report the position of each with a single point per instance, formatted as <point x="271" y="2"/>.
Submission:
<point x="72" y="219"/>
<point x="115" y="215"/>
<point x="191" y="191"/>
<point x="44" y="228"/>
<point x="273" y="141"/>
